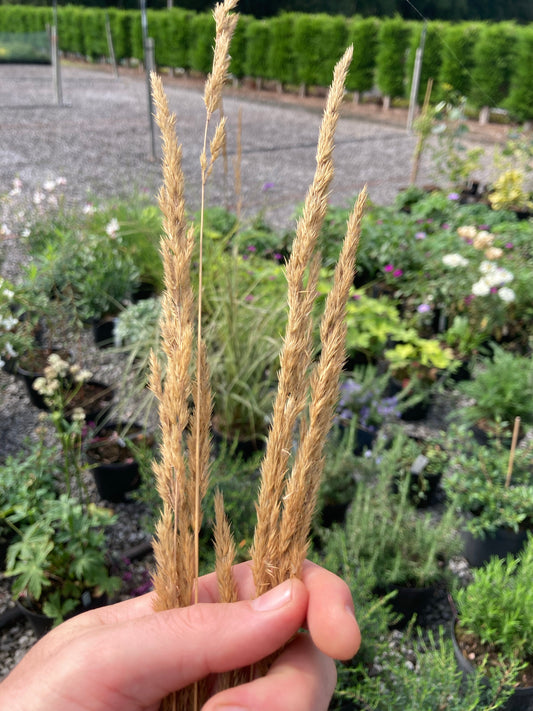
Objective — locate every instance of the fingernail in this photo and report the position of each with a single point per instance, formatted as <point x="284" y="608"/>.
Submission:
<point x="274" y="599"/>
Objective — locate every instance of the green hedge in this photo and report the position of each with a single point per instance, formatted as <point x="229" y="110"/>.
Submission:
<point x="491" y="64"/>
<point x="390" y="64"/>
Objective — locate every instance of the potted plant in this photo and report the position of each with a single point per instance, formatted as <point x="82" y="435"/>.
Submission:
<point x="465" y="342"/>
<point x="500" y="391"/>
<point x="495" y="501"/>
<point x="405" y="550"/>
<point x="113" y="453"/>
<point x="25" y="480"/>
<point x="338" y="483"/>
<point x="422" y="462"/>
<point x="363" y="400"/>
<point x="19" y="324"/>
<point x="415" y="364"/>
<point x="59" y="565"/>
<point x="494" y="621"/>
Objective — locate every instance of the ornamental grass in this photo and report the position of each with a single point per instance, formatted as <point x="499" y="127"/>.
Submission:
<point x="307" y="385"/>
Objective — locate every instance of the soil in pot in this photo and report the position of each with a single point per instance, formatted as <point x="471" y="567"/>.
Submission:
<point x="468" y="648"/>
<point x="104" y="332"/>
<point x="95" y="398"/>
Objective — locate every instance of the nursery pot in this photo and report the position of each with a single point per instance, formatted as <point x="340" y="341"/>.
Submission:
<point x="41" y="623"/>
<point x="33" y="368"/>
<point x="407" y="601"/>
<point x="104" y="331"/>
<point x="115" y="471"/>
<point x="499" y="543"/>
<point x="522" y="697"/>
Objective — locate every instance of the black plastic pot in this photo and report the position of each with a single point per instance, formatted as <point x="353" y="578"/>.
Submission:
<point x="478" y="551"/>
<point x="521" y="698"/>
<point x="104" y="332"/>
<point x="115" y="481"/>
<point x="407" y="601"/>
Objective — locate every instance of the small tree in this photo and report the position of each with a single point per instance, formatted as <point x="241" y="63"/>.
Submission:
<point x="494" y="57"/>
<point x="520" y="101"/>
<point x="363" y="34"/>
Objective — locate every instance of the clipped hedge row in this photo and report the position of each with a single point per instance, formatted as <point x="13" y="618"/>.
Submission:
<point x="491" y="64"/>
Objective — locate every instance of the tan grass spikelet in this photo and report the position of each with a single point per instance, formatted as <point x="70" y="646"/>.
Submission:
<point x="295" y="359"/>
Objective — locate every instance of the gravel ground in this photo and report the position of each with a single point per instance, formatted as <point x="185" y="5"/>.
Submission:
<point x="99" y="140"/>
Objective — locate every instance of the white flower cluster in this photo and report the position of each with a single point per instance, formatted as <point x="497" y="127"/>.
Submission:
<point x="494" y="277"/>
<point x="55" y="373"/>
<point x="454" y="260"/>
<point x="8" y="321"/>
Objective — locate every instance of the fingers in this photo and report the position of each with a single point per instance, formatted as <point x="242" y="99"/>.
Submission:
<point x="301" y="679"/>
<point x="330" y="615"/>
<point x="165" y="651"/>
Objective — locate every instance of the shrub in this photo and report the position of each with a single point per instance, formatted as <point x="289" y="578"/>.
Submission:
<point x="202" y="29"/>
<point x="390" y="64"/>
<point x="280" y="57"/>
<point x="257" y="41"/>
<point x="520" y="101"/>
<point x="432" y="57"/>
<point x="363" y="34"/>
<point x="457" y="58"/>
<point x="494" y="57"/>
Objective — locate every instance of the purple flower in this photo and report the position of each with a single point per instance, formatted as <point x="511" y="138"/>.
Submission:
<point x="484" y="227"/>
<point x="420" y="235"/>
<point x="251" y="248"/>
<point x="249" y="297"/>
<point x="356" y="297"/>
<point x="453" y="196"/>
<point x="388" y="267"/>
<point x="445" y="226"/>
<point x="469" y="299"/>
<point x="423" y="308"/>
<point x="398" y="273"/>
<point x="267" y="186"/>
<point x="509" y="245"/>
<point x="277" y="256"/>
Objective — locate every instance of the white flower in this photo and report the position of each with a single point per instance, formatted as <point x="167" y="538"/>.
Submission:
<point x="506" y="294"/>
<point x="88" y="209"/>
<point x="2" y="362"/>
<point x="486" y="267"/>
<point x="56" y="365"/>
<point x="26" y="232"/>
<point x="8" y="322"/>
<point x="49" y="185"/>
<point x="494" y="275"/>
<point x="112" y="227"/>
<point x="4" y="229"/>
<point x="82" y="376"/>
<point x="8" y="293"/>
<point x="38" y="197"/>
<point x="12" y="353"/>
<point x="481" y="288"/>
<point x="78" y="414"/>
<point x="454" y="260"/>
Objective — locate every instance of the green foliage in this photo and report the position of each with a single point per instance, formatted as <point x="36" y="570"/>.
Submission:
<point x="431" y="680"/>
<point x="387" y="536"/>
<point x="501" y="390"/>
<point x="494" y="57"/>
<point x="520" y="101"/>
<point x="457" y="59"/>
<point x="257" y="42"/>
<point x="25" y="480"/>
<point x="496" y="606"/>
<point x="476" y="483"/>
<point x="319" y="42"/>
<point x="363" y="34"/>
<point x="202" y="29"/>
<point x="431" y="60"/>
<point x="280" y="58"/>
<point x="239" y="46"/>
<point x="390" y="63"/>
<point x="60" y="556"/>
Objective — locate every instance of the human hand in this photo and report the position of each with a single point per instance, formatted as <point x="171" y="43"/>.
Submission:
<point x="126" y="657"/>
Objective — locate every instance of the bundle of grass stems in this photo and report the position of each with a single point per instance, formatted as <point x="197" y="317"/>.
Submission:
<point x="307" y="386"/>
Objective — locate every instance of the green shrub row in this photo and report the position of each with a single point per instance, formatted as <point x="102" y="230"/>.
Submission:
<point x="490" y="63"/>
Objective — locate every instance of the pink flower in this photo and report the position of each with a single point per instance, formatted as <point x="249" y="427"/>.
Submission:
<point x="423" y="308"/>
<point x="420" y="235"/>
<point x="251" y="248"/>
<point x="388" y="268"/>
<point x="398" y="272"/>
<point x="249" y="297"/>
<point x="509" y="245"/>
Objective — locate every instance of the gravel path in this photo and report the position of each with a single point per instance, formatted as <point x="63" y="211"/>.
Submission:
<point x="99" y="140"/>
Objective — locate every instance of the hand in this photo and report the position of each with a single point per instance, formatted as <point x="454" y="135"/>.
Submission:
<point x="126" y="657"/>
